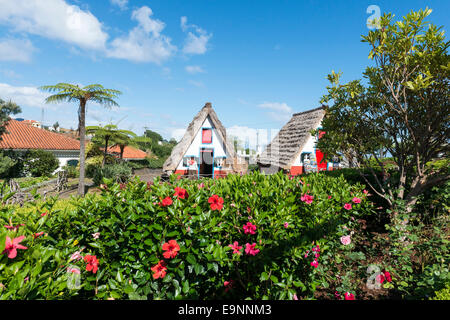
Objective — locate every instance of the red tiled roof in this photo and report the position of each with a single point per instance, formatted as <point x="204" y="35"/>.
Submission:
<point x="20" y="135"/>
<point x="128" y="152"/>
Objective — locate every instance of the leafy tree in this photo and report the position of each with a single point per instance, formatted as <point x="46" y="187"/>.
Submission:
<point x="401" y="109"/>
<point x="153" y="135"/>
<point x="105" y="135"/>
<point x="6" y="109"/>
<point x="73" y="93"/>
<point x="6" y="163"/>
<point x="40" y="163"/>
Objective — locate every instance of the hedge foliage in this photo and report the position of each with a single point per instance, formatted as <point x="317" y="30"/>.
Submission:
<point x="125" y="233"/>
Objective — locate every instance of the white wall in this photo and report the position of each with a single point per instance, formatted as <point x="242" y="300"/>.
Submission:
<point x="194" y="148"/>
<point x="309" y="147"/>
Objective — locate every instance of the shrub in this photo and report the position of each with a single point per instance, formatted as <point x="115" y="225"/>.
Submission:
<point x="120" y="173"/>
<point x="40" y="163"/>
<point x="72" y="171"/>
<point x="443" y="294"/>
<point x="129" y="230"/>
<point x="6" y="164"/>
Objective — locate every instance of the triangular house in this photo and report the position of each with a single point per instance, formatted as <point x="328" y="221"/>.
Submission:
<point x="204" y="150"/>
<point x="294" y="150"/>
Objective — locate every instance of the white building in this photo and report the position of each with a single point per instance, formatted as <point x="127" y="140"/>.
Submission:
<point x="204" y="150"/>
<point x="20" y="137"/>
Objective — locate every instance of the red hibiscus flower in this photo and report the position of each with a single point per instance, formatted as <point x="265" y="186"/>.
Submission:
<point x="307" y="198"/>
<point x="228" y="285"/>
<point x="166" y="202"/>
<point x="387" y="275"/>
<point x="250" y="249"/>
<point x="380" y="278"/>
<point x="14" y="228"/>
<point x="37" y="235"/>
<point x="216" y="202"/>
<point x="159" y="270"/>
<point x="11" y="246"/>
<point x="171" y="249"/>
<point x="92" y="263"/>
<point x="347" y="206"/>
<point x="249" y="228"/>
<point x="181" y="193"/>
<point x="349" y="296"/>
<point x="236" y="247"/>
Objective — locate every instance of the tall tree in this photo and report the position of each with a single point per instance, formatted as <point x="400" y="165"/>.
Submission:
<point x="66" y="92"/>
<point x="7" y="108"/>
<point x="401" y="109"/>
<point x="108" y="133"/>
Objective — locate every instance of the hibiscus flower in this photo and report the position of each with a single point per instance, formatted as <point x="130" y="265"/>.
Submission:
<point x="92" y="263"/>
<point x="346" y="240"/>
<point x="181" y="193"/>
<point x="236" y="247"/>
<point x="216" y="202"/>
<point x="249" y="228"/>
<point x="307" y="198"/>
<point x="11" y="246"/>
<point x="347" y="206"/>
<point x="159" y="270"/>
<point x="166" y="202"/>
<point x="356" y="200"/>
<point x="349" y="296"/>
<point x="171" y="249"/>
<point x="250" y="249"/>
<point x="228" y="285"/>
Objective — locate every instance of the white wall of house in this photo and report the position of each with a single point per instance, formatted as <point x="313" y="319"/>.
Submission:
<point x="194" y="149"/>
<point x="65" y="156"/>
<point x="309" y="147"/>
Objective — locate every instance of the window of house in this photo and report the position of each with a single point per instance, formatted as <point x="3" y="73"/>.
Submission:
<point x="190" y="162"/>
<point x="207" y="136"/>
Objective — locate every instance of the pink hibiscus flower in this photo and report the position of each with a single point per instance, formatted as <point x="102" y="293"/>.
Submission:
<point x="11" y="246"/>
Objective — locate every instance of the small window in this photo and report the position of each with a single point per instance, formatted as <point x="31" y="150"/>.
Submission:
<point x="207" y="136"/>
<point x="190" y="162"/>
<point x="219" y="162"/>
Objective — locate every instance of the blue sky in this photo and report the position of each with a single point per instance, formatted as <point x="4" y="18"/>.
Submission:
<point x="257" y="62"/>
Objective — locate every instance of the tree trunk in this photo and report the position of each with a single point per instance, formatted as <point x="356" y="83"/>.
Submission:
<point x="105" y="153"/>
<point x="82" y="126"/>
<point x="122" y="148"/>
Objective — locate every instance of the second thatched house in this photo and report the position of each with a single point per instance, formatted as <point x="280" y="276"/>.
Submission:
<point x="294" y="150"/>
<point x="204" y="150"/>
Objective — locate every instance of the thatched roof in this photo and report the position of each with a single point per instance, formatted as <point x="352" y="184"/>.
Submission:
<point x="196" y="124"/>
<point x="291" y="139"/>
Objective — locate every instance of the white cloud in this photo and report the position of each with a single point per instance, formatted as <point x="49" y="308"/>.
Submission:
<point x="194" y="69"/>
<point x="23" y="96"/>
<point x="198" y="84"/>
<point x="279" y="111"/>
<point x="197" y="40"/>
<point x="54" y="19"/>
<point x="276" y="106"/>
<point x="251" y="137"/>
<point x="144" y="43"/>
<point x="10" y="73"/>
<point x="16" y="50"/>
<point x="122" y="4"/>
<point x="177" y="133"/>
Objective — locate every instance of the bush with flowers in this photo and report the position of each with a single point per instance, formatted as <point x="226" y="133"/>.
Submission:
<point x="251" y="236"/>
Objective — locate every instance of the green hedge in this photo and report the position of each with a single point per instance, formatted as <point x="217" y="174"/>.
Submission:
<point x="132" y="227"/>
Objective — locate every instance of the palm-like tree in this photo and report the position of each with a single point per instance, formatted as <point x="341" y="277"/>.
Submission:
<point x="109" y="133"/>
<point x="66" y="92"/>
